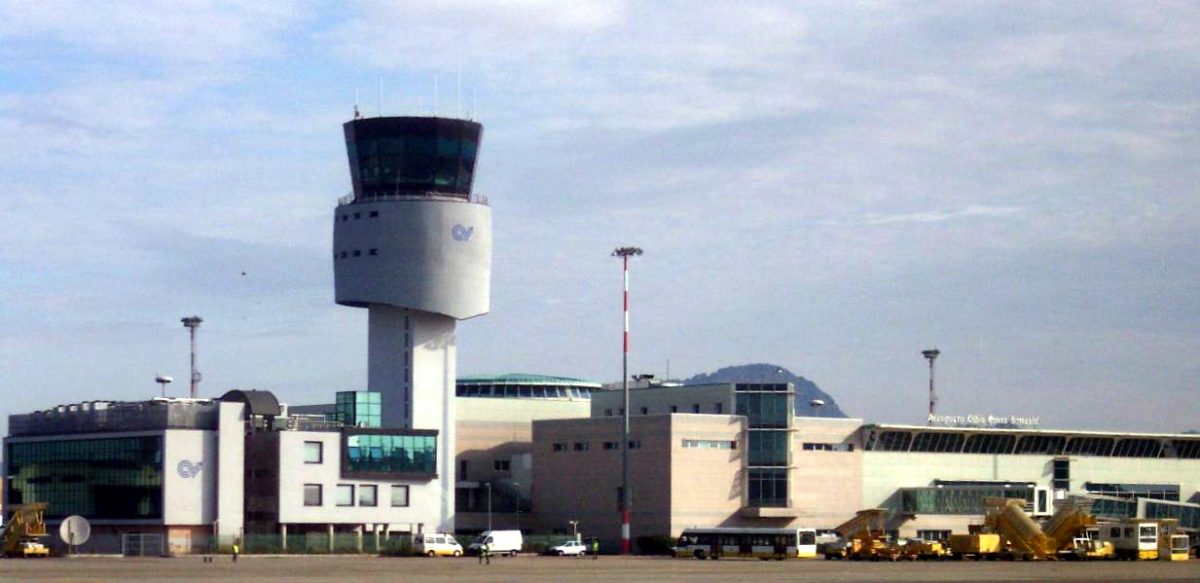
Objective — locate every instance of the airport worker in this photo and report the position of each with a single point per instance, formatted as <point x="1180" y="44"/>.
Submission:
<point x="595" y="548"/>
<point x="485" y="553"/>
<point x="236" y="548"/>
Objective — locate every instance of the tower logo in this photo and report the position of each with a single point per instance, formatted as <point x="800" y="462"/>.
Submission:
<point x="187" y="469"/>
<point x="461" y="233"/>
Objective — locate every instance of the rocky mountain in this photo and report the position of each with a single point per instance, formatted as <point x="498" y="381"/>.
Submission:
<point x="806" y="390"/>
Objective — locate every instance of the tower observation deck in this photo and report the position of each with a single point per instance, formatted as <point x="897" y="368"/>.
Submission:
<point x="413" y="247"/>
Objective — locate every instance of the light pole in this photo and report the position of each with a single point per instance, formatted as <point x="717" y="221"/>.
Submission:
<point x="626" y="496"/>
<point x="517" y="491"/>
<point x="488" y="485"/>
<point x="191" y="323"/>
<point x="931" y="355"/>
<point x="163" y="381"/>
<point x="816" y="405"/>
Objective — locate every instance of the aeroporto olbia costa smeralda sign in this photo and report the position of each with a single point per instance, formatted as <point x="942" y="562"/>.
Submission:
<point x="986" y="421"/>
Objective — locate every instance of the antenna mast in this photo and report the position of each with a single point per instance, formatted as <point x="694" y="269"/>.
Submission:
<point x="191" y="323"/>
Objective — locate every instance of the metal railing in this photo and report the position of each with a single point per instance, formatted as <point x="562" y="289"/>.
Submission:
<point x="472" y="198"/>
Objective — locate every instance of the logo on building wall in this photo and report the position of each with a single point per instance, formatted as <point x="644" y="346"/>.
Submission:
<point x="187" y="469"/>
<point x="461" y="233"/>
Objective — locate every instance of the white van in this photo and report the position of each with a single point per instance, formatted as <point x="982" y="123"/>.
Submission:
<point x="438" y="544"/>
<point x="504" y="542"/>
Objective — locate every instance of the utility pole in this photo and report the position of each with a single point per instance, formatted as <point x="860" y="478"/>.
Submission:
<point x="626" y="496"/>
<point x="191" y="323"/>
<point x="931" y="355"/>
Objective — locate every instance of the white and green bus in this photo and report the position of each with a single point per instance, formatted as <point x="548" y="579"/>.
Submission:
<point x="761" y="543"/>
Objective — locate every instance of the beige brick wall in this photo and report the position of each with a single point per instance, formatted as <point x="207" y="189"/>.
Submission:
<point x="673" y="487"/>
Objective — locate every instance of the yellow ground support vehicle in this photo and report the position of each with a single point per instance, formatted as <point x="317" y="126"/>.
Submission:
<point x="924" y="550"/>
<point x="1177" y="548"/>
<point x="866" y="537"/>
<point x="1133" y="539"/>
<point x="984" y="545"/>
<point x="1027" y="539"/>
<point x="25" y="525"/>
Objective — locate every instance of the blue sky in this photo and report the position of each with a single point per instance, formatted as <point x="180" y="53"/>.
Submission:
<point x="830" y="187"/>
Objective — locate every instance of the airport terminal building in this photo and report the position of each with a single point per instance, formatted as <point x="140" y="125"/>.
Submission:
<point x="736" y="455"/>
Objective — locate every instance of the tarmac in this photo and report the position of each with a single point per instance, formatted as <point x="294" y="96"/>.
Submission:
<point x="356" y="568"/>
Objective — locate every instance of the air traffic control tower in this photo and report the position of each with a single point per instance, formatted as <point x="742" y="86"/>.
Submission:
<point x="414" y="247"/>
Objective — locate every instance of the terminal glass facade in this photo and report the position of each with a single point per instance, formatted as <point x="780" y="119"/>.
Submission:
<point x="118" y="478"/>
<point x="768" y="409"/>
<point x="1188" y="516"/>
<point x="1168" y="492"/>
<point x="957" y="500"/>
<point x="358" y="409"/>
<point x="391" y="454"/>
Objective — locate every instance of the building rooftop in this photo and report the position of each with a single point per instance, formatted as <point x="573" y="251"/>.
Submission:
<point x="524" y="379"/>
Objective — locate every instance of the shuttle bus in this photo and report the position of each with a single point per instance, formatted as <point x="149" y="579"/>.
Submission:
<point x="762" y="543"/>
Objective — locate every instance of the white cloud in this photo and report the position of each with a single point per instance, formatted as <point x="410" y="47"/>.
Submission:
<point x="941" y="216"/>
<point x="184" y="31"/>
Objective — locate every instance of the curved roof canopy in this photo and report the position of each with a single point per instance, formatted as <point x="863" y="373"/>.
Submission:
<point x="258" y="402"/>
<point x="523" y="379"/>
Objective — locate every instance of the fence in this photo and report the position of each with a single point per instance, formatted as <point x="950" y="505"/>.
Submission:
<point x="142" y="545"/>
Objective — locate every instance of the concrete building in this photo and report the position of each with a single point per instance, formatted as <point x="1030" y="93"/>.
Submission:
<point x="189" y="469"/>
<point x="149" y="466"/>
<point x="721" y="455"/>
<point x="495" y="416"/>
<point x="414" y="247"/>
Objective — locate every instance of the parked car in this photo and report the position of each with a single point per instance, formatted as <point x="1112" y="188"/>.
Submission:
<point x="503" y="542"/>
<point x="570" y="548"/>
<point x="438" y="544"/>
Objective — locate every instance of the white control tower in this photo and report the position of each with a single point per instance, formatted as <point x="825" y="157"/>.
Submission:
<point x="413" y="247"/>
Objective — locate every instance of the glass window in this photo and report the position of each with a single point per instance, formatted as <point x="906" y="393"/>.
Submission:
<point x="116" y="478"/>
<point x="312" y="494"/>
<point x="368" y="495"/>
<point x="345" y="495"/>
<point x="399" y="496"/>
<point x="768" y="448"/>
<point x="312" y="452"/>
<point x="373" y="453"/>
<point x="768" y="487"/>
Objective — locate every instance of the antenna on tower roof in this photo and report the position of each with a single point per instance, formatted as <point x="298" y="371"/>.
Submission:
<point x="435" y="95"/>
<point x="357" y="114"/>
<point x="458" y="93"/>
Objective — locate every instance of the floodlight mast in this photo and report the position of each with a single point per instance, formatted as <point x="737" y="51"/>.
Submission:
<point x="191" y="323"/>
<point x="931" y="355"/>
<point x="626" y="496"/>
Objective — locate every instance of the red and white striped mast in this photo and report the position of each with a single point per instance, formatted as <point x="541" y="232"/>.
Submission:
<point x="626" y="494"/>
